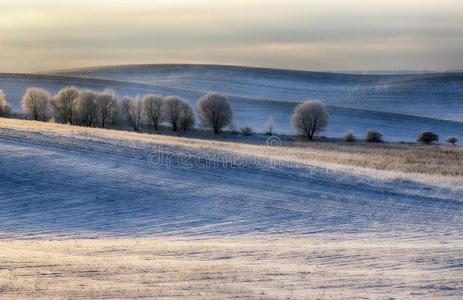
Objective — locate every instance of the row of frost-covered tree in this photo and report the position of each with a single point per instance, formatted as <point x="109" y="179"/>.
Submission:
<point x="98" y="109"/>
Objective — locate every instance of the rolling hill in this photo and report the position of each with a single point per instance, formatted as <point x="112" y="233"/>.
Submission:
<point x="400" y="106"/>
<point x="96" y="213"/>
<point x="59" y="179"/>
<point x="434" y="95"/>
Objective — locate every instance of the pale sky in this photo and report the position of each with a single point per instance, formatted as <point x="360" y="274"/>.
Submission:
<point x="40" y="35"/>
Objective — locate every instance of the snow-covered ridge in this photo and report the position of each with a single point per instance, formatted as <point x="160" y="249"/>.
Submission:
<point x="416" y="94"/>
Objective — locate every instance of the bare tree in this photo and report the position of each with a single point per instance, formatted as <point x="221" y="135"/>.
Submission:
<point x="65" y="104"/>
<point x="270" y="126"/>
<point x="153" y="109"/>
<point x="107" y="107"/>
<point x="5" y="108"/>
<point x="133" y="109"/>
<point x="87" y="108"/>
<point x="310" y="118"/>
<point x="214" y="112"/>
<point x="187" y="119"/>
<point x="35" y="103"/>
<point x="179" y="113"/>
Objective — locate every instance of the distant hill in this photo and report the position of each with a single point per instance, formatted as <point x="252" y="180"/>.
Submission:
<point x="399" y="105"/>
<point x="433" y="95"/>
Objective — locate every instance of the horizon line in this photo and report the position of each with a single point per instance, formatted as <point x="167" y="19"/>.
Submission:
<point x="346" y="72"/>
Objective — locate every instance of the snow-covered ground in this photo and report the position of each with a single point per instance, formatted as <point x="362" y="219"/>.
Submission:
<point x="244" y="267"/>
<point x="93" y="213"/>
<point x="77" y="181"/>
<point x="399" y="106"/>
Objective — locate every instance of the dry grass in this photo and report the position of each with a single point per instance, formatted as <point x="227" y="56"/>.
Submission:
<point x="437" y="165"/>
<point x="408" y="158"/>
<point x="270" y="267"/>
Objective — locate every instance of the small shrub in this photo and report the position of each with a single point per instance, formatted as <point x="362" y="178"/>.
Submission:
<point x="350" y="137"/>
<point x="427" y="137"/>
<point x="247" y="131"/>
<point x="374" y="136"/>
<point x="452" y="140"/>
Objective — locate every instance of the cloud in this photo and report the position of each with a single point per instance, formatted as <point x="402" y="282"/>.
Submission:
<point x="299" y="34"/>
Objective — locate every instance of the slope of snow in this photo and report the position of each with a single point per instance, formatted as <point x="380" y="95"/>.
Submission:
<point x="251" y="111"/>
<point x="431" y="95"/>
<point x="79" y="184"/>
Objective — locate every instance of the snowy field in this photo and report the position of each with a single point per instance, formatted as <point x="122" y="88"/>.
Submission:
<point x="401" y="106"/>
<point x="100" y="182"/>
<point x="92" y="213"/>
<point x="245" y="267"/>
